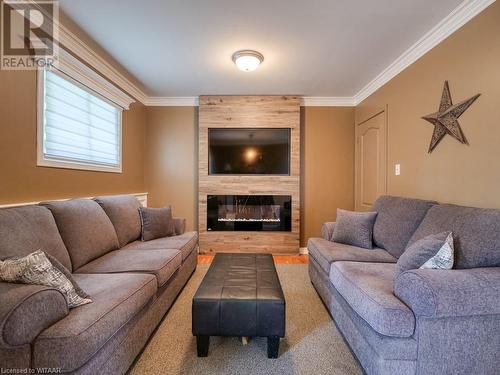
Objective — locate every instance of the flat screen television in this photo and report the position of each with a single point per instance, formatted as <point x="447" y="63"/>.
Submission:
<point x="258" y="151"/>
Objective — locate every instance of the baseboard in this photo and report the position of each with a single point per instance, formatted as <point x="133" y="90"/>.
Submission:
<point x="303" y="251"/>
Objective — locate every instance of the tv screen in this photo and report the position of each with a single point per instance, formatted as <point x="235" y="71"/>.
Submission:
<point x="257" y="151"/>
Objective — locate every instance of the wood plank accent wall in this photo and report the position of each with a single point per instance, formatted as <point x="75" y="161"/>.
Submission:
<point x="249" y="112"/>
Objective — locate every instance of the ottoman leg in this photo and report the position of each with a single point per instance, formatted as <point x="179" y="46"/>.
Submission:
<point x="202" y="343"/>
<point x="273" y="345"/>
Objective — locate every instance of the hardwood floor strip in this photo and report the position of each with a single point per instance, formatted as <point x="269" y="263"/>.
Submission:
<point x="278" y="259"/>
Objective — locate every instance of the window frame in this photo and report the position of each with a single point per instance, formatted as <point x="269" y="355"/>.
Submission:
<point x="60" y="162"/>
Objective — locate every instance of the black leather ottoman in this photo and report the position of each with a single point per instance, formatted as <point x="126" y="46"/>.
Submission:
<point x="240" y="295"/>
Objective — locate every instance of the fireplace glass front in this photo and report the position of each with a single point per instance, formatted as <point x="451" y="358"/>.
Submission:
<point x="249" y="213"/>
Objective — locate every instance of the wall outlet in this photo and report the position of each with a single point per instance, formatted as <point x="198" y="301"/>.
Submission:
<point x="397" y="169"/>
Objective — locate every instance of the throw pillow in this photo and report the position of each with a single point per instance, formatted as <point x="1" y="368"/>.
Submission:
<point x="156" y="223"/>
<point x="68" y="275"/>
<point x="36" y="268"/>
<point x="435" y="251"/>
<point x="354" y="228"/>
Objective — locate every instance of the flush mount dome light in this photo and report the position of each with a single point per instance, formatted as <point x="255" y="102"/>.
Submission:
<point x="247" y="60"/>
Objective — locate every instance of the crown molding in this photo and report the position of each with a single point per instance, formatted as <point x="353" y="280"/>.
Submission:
<point x="88" y="56"/>
<point x="451" y="23"/>
<point x="80" y="49"/>
<point x="327" y="101"/>
<point x="171" y="101"/>
<point x="74" y="68"/>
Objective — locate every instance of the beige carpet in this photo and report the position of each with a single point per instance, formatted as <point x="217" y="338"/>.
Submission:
<point x="312" y="344"/>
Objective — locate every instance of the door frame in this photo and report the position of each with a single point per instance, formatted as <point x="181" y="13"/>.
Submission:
<point x="379" y="111"/>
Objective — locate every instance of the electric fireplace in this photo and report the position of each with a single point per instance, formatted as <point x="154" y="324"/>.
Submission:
<point x="249" y="213"/>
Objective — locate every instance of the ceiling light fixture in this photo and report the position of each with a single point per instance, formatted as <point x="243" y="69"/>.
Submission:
<point x="247" y="60"/>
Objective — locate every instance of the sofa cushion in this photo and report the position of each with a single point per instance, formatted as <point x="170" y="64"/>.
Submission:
<point x="476" y="233"/>
<point x="186" y="243"/>
<point x="24" y="230"/>
<point x="354" y="228"/>
<point x="355" y="330"/>
<point x="160" y="263"/>
<point x="85" y="229"/>
<point x="326" y="252"/>
<point x="72" y="341"/>
<point x="123" y="211"/>
<point x="368" y="289"/>
<point x="397" y="220"/>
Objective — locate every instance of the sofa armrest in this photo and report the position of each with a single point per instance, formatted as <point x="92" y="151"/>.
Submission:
<point x="180" y="225"/>
<point x="27" y="310"/>
<point x="450" y="293"/>
<point x="327" y="230"/>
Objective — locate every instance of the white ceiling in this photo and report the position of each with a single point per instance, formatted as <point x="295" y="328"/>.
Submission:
<point x="329" y="48"/>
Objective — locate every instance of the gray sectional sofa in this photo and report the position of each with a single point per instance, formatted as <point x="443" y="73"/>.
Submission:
<point x="132" y="284"/>
<point x="426" y="321"/>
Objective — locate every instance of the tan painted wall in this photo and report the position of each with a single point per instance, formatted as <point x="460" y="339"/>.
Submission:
<point x="327" y="166"/>
<point x="22" y="181"/>
<point x="470" y="175"/>
<point x="171" y="158"/>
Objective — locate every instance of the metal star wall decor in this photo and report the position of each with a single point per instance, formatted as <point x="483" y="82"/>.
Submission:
<point x="445" y="120"/>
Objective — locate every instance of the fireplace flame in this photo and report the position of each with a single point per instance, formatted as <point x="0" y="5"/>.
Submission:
<point x="244" y="219"/>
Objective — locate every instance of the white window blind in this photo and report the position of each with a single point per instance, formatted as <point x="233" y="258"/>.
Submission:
<point x="79" y="126"/>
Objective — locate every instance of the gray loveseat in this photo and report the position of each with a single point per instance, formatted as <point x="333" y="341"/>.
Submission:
<point x="132" y="284"/>
<point x="425" y="321"/>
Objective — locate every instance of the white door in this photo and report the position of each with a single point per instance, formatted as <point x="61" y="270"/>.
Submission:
<point x="371" y="160"/>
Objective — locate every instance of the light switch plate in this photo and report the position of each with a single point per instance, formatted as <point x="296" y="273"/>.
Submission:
<point x="397" y="169"/>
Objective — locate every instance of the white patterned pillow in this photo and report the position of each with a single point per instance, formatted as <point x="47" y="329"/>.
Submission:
<point x="36" y="268"/>
<point x="443" y="258"/>
<point x="435" y="251"/>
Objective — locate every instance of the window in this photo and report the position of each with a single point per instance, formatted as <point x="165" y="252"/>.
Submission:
<point x="78" y="128"/>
